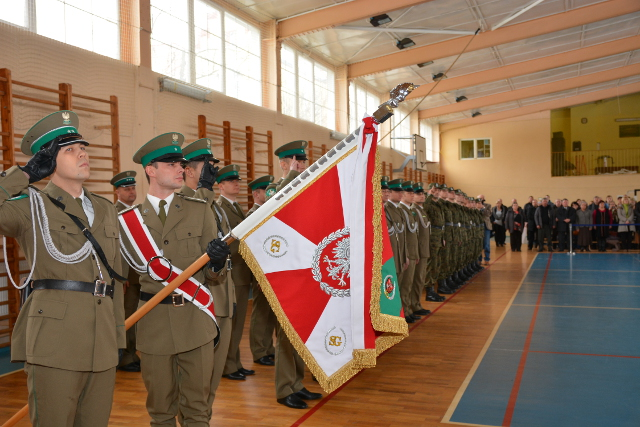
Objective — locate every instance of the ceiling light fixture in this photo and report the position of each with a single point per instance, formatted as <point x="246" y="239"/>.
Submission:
<point x="424" y="64"/>
<point x="476" y="114"/>
<point x="439" y="76"/>
<point x="404" y="43"/>
<point x="461" y="98"/>
<point x="380" y="19"/>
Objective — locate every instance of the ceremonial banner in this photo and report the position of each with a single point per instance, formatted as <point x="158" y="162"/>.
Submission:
<point x="316" y="251"/>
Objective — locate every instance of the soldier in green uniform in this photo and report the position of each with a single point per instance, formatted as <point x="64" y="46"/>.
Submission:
<point x="394" y="210"/>
<point x="289" y="365"/>
<point x="71" y="326"/>
<point x="424" y="235"/>
<point x="396" y="236"/>
<point x="436" y="241"/>
<point x="263" y="320"/>
<point x="176" y="338"/>
<point x="199" y="177"/>
<point x="228" y="180"/>
<point x="447" y="256"/>
<point x="124" y="184"/>
<point x="413" y="253"/>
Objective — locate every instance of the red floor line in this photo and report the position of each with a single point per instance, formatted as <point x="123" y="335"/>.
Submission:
<point x="584" y="354"/>
<point x="511" y="405"/>
<point x="331" y="395"/>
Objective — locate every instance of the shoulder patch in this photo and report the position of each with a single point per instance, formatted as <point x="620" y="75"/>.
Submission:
<point x="21" y="196"/>
<point x="193" y="199"/>
<point x="101" y="197"/>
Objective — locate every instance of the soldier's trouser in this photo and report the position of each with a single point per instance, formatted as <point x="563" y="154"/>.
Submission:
<point x="131" y="298"/>
<point x="444" y="261"/>
<point x="179" y="382"/>
<point x="233" y="356"/>
<point x="435" y="252"/>
<point x="263" y="325"/>
<point x="406" y="285"/>
<point x="289" y="366"/>
<point x="219" y="357"/>
<point x="419" y="281"/>
<point x="58" y="397"/>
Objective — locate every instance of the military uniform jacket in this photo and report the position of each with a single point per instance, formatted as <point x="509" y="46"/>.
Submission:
<point x="448" y="218"/>
<point x="411" y="231"/>
<point x="394" y="237"/>
<point x="424" y="230"/>
<point x="240" y="271"/>
<point x="64" y="329"/>
<point x="188" y="229"/>
<point x="434" y="211"/>
<point x="221" y="287"/>
<point x="400" y="227"/>
<point x="132" y="276"/>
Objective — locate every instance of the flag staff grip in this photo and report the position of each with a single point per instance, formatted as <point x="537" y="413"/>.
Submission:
<point x="146" y="308"/>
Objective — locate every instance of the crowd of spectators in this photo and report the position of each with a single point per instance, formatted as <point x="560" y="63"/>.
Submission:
<point x="585" y="225"/>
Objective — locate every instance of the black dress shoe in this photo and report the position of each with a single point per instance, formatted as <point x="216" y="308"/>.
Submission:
<point x="265" y="360"/>
<point x="246" y="372"/>
<point x="415" y="317"/>
<point x="293" y="401"/>
<point x="422" y="312"/>
<point x="409" y="319"/>
<point x="130" y="367"/>
<point x="238" y="376"/>
<point x="307" y="395"/>
<point x="434" y="297"/>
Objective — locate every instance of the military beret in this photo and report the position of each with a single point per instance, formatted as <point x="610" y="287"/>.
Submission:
<point x="124" y="179"/>
<point x="293" y="148"/>
<point x="262" y="182"/>
<point x="395" y="184"/>
<point x="199" y="150"/>
<point x="384" y="182"/>
<point x="61" y="126"/>
<point x="228" y="173"/>
<point x="162" y="148"/>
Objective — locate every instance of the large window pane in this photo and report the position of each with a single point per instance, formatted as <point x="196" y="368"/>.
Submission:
<point x="49" y="18"/>
<point x="15" y="12"/>
<point x="466" y="148"/>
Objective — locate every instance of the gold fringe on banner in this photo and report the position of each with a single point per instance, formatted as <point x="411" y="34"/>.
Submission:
<point x="381" y="322"/>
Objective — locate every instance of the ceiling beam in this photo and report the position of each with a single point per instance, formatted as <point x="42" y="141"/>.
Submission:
<point x="341" y="13"/>
<point x="601" y="50"/>
<point x="537" y="27"/>
<point x="530" y="92"/>
<point x="544" y="106"/>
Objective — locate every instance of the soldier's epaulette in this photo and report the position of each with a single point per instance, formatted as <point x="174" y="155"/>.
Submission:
<point x="101" y="197"/>
<point x="129" y="209"/>
<point x="193" y="199"/>
<point x="19" y="197"/>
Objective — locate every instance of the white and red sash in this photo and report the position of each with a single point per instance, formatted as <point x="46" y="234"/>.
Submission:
<point x="146" y="248"/>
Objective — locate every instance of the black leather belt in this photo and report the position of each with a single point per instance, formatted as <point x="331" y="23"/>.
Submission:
<point x="439" y="228"/>
<point x="176" y="299"/>
<point x="448" y="223"/>
<point x="97" y="288"/>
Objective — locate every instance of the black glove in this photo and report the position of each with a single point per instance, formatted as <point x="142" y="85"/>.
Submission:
<point x="42" y="164"/>
<point x="208" y="176"/>
<point x="218" y="251"/>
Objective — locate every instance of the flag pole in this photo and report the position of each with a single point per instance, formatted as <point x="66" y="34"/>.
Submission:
<point x="146" y="308"/>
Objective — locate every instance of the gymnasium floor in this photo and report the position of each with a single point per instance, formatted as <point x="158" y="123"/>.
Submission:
<point x="533" y="340"/>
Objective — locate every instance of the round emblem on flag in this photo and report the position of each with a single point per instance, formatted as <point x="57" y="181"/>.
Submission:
<point x="389" y="287"/>
<point x="335" y="341"/>
<point x="275" y="246"/>
<point x="330" y="264"/>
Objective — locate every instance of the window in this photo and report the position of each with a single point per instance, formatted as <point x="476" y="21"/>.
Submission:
<point x="308" y="89"/>
<point x="431" y="134"/>
<point x="361" y="102"/>
<point x="194" y="41"/>
<point x="401" y="137"/>
<point x="475" y="148"/>
<point x="89" y="24"/>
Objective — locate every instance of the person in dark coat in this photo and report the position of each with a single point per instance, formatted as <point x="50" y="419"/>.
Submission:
<point x="532" y="230"/>
<point x="514" y="222"/>
<point x="602" y="220"/>
<point x="545" y="222"/>
<point x="565" y="215"/>
<point x="498" y="214"/>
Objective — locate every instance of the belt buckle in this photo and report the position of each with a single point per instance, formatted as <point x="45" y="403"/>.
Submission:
<point x="100" y="289"/>
<point x="177" y="300"/>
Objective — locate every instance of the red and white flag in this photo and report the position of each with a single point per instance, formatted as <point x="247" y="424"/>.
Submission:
<point x="315" y="251"/>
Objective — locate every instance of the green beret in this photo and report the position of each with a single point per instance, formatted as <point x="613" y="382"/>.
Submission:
<point x="124" y="179"/>
<point x="199" y="150"/>
<point x="61" y="126"/>
<point x="395" y="184"/>
<point x="228" y="173"/>
<point x="162" y="148"/>
<point x="262" y="182"/>
<point x="293" y="148"/>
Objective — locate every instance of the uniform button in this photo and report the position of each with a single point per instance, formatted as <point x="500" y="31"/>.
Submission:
<point x="189" y="234"/>
<point x="99" y="301"/>
<point x="166" y="242"/>
<point x="178" y="206"/>
<point x="39" y="311"/>
<point x="63" y="227"/>
<point x="59" y="199"/>
<point x="206" y="199"/>
<point x="3" y="174"/>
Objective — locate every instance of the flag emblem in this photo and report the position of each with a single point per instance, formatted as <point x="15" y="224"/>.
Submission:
<point x="275" y="246"/>
<point x="389" y="287"/>
<point x="335" y="341"/>
<point x="332" y="257"/>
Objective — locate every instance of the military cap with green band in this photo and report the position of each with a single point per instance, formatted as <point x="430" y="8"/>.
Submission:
<point x="162" y="148"/>
<point x="293" y="148"/>
<point x="451" y="189"/>
<point x="395" y="184"/>
<point x="384" y="182"/>
<point x="407" y="186"/>
<point x="61" y="126"/>
<point x="262" y="182"/>
<point x="124" y="179"/>
<point x="199" y="150"/>
<point x="418" y="187"/>
<point x="228" y="172"/>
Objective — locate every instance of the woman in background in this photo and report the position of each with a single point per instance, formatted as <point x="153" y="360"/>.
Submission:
<point x="625" y="217"/>
<point x="602" y="221"/>
<point x="584" y="217"/>
<point x="514" y="222"/>
<point x="498" y="214"/>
